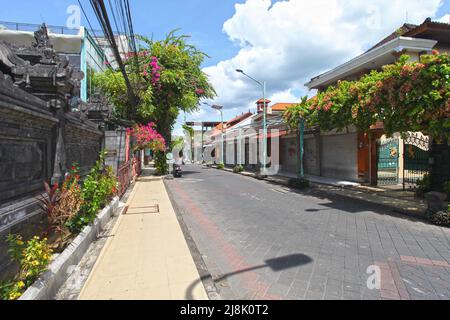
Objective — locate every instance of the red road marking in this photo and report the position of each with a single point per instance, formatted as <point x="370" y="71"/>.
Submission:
<point x="424" y="262"/>
<point x="392" y="286"/>
<point x="251" y="279"/>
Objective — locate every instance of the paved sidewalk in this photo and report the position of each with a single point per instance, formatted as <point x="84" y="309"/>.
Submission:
<point x="146" y="256"/>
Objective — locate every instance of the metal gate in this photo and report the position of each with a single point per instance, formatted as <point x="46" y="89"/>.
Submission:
<point x="387" y="162"/>
<point x="416" y="158"/>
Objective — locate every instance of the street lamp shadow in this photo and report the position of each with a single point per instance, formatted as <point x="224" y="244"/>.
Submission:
<point x="275" y="264"/>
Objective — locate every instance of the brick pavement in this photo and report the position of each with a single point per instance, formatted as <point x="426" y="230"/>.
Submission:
<point x="240" y="223"/>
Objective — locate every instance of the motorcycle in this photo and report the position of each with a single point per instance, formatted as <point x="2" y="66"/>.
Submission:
<point x="177" y="172"/>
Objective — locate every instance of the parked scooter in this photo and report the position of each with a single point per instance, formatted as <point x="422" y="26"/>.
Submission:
<point x="177" y="172"/>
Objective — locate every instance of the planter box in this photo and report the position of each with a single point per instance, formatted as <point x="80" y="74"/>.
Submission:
<point x="48" y="284"/>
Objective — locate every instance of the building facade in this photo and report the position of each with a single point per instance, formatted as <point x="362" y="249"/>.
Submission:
<point x="376" y="158"/>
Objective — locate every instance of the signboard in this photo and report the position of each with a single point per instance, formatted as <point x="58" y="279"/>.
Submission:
<point x="169" y="156"/>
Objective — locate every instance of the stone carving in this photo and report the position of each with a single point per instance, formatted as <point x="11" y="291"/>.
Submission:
<point x="40" y="71"/>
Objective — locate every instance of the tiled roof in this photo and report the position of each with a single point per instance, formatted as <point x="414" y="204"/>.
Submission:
<point x="399" y="32"/>
<point x="411" y="30"/>
<point x="218" y="129"/>
<point x="281" y="106"/>
<point x="239" y="118"/>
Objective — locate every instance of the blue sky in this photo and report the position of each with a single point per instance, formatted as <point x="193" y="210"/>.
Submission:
<point x="201" y="19"/>
<point x="283" y="42"/>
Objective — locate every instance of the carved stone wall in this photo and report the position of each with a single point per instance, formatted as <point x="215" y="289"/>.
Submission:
<point x="82" y="143"/>
<point x="39" y="137"/>
<point x="27" y="130"/>
<point x="28" y="138"/>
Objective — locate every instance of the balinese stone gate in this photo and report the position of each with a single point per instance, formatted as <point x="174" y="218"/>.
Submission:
<point x="40" y="136"/>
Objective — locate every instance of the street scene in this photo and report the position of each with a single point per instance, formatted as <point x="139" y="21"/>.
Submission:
<point x="226" y="153"/>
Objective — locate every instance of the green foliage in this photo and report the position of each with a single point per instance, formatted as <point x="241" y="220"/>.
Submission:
<point x="61" y="204"/>
<point x="98" y="188"/>
<point x="424" y="184"/>
<point x="169" y="80"/>
<point x="238" y="168"/>
<point x="33" y="258"/>
<point x="405" y="96"/>
<point x="298" y="183"/>
<point x="189" y="129"/>
<point x="161" y="166"/>
<point x="177" y="143"/>
<point x="220" y="166"/>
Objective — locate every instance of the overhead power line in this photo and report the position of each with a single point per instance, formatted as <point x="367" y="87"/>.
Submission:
<point x="92" y="29"/>
<point x="102" y="16"/>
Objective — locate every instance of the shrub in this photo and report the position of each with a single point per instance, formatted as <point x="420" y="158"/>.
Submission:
<point x="33" y="258"/>
<point x="220" y="166"/>
<point x="61" y="205"/>
<point x="98" y="188"/>
<point x="298" y="183"/>
<point x="441" y="218"/>
<point x="161" y="165"/>
<point x="423" y="185"/>
<point x="238" y="168"/>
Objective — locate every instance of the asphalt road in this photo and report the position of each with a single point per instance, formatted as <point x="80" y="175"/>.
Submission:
<point x="264" y="241"/>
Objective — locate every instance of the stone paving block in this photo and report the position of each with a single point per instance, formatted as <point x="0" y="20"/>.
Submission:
<point x="352" y="235"/>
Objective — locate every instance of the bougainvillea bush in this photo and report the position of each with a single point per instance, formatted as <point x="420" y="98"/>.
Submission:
<point x="405" y="96"/>
<point x="147" y="137"/>
<point x="167" y="78"/>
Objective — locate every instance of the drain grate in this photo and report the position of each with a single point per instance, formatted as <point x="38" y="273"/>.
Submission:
<point x="281" y="190"/>
<point x="142" y="210"/>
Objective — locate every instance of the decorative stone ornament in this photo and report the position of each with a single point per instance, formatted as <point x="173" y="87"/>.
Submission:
<point x="40" y="71"/>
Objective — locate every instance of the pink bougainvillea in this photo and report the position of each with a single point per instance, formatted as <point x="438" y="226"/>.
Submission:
<point x="147" y="137"/>
<point x="153" y="69"/>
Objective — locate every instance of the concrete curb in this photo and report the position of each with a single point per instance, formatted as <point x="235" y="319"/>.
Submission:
<point x="48" y="284"/>
<point x="205" y="276"/>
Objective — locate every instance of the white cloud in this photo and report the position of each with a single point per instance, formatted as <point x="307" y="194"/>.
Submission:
<point x="444" y="19"/>
<point x="288" y="42"/>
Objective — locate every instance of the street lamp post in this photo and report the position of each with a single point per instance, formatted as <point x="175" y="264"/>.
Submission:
<point x="219" y="108"/>
<point x="263" y="85"/>
<point x="301" y="173"/>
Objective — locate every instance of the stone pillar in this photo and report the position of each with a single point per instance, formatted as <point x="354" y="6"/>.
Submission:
<point x="439" y="164"/>
<point x="59" y="168"/>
